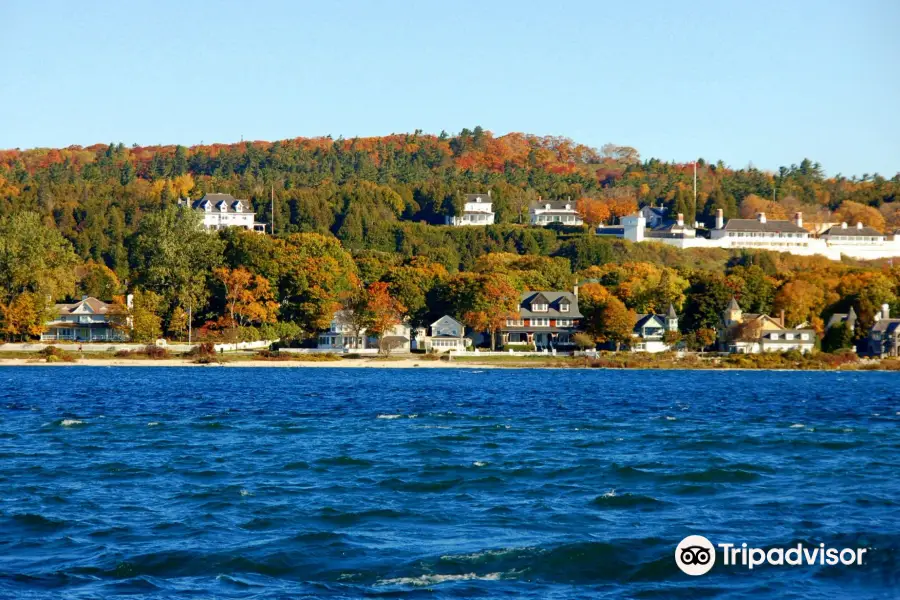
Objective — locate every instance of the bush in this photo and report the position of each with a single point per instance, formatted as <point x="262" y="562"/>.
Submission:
<point x="54" y="354"/>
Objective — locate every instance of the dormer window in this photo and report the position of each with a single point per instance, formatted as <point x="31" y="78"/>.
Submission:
<point x="223" y="207"/>
<point x="238" y="206"/>
<point x="546" y="207"/>
<point x="564" y="307"/>
<point x="568" y="207"/>
<point x="539" y="308"/>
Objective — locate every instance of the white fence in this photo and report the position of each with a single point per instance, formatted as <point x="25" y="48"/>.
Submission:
<point x="361" y="351"/>
<point x="115" y="347"/>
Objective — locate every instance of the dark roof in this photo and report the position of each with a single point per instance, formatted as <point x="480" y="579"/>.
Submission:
<point x="886" y="325"/>
<point x="554" y="206"/>
<point x="612" y="230"/>
<point x="553" y="300"/>
<point x="767" y="227"/>
<point x="643" y="320"/>
<point x="217" y="200"/>
<point x="479" y="198"/>
<point x="853" y="231"/>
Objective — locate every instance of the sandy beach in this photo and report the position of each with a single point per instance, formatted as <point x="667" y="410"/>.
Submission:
<point x="362" y="363"/>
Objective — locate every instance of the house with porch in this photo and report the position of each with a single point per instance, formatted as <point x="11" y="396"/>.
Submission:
<point x="546" y="321"/>
<point x="340" y="336"/>
<point x="88" y="320"/>
<point x="446" y="334"/>
<point x="544" y="213"/>
<point x="477" y="210"/>
<point x="749" y="333"/>
<point x="221" y="211"/>
<point x="650" y="330"/>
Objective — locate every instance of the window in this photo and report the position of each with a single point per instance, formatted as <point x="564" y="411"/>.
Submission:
<point x="540" y="322"/>
<point x="564" y="307"/>
<point x="539" y="307"/>
<point x="515" y="322"/>
<point x="564" y="322"/>
<point x="774" y="336"/>
<point x="789" y="336"/>
<point x="804" y="336"/>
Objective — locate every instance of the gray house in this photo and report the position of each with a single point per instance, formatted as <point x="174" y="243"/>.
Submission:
<point x="884" y="337"/>
<point x="650" y="329"/>
<point x="89" y="320"/>
<point x="446" y="334"/>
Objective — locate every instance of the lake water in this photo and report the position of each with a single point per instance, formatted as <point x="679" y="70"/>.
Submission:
<point x="346" y="483"/>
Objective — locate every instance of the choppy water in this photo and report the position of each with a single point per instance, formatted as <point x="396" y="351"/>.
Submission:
<point x="278" y="483"/>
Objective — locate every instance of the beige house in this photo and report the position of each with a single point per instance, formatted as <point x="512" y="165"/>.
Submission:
<point x="748" y="333"/>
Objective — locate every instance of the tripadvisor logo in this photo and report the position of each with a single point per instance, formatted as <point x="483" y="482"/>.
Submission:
<point x="696" y="555"/>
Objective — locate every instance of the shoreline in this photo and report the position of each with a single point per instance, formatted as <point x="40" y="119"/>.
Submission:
<point x="400" y="363"/>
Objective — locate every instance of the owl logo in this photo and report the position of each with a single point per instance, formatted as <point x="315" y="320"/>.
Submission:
<point x="695" y="555"/>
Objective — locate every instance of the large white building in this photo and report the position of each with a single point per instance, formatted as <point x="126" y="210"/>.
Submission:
<point x="221" y="211"/>
<point x="478" y="210"/>
<point x="859" y="241"/>
<point x="545" y="213"/>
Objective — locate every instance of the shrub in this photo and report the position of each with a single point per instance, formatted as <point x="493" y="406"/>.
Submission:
<point x="54" y="354"/>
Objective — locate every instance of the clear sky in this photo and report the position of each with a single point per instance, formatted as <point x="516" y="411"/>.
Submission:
<point x="768" y="82"/>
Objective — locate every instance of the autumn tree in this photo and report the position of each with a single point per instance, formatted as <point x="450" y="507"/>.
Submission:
<point x="617" y="323"/>
<point x="854" y="212"/>
<point x="24" y="317"/>
<point x="249" y="297"/>
<point x="385" y="313"/>
<point x="593" y="211"/>
<point x="482" y="301"/>
<point x="146" y="323"/>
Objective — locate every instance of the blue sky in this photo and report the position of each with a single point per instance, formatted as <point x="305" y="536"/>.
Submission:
<point x="766" y="82"/>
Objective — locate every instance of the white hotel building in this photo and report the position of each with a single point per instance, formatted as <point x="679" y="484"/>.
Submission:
<point x="859" y="241"/>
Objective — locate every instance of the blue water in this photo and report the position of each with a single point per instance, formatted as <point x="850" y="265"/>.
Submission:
<point x="344" y="483"/>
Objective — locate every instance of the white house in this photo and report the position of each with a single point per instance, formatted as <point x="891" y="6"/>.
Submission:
<point x="478" y="210"/>
<point x="446" y="334"/>
<point x="762" y="233"/>
<point x="221" y="211"/>
<point x="650" y="329"/>
<point x="89" y="320"/>
<point x="340" y="336"/>
<point x="545" y="213"/>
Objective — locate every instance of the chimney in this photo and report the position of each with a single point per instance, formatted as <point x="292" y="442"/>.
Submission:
<point x="129" y="301"/>
<point x="761" y="217"/>
<point x="489" y="193"/>
<point x="843" y="226"/>
<point x="575" y="291"/>
<point x="720" y="218"/>
<point x="885" y="311"/>
<point x="781" y="317"/>
<point x="680" y="220"/>
<point x="798" y="219"/>
<point x="859" y="225"/>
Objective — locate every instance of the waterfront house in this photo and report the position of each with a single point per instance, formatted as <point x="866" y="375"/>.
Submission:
<point x="651" y="223"/>
<point x="477" y="210"/>
<point x="650" y="330"/>
<point x="545" y="213"/>
<point x="546" y="321"/>
<point x="446" y="334"/>
<point x="88" y="320"/>
<point x="221" y="211"/>
<point x="340" y="336"/>
<point x="748" y="333"/>
<point x="884" y="337"/>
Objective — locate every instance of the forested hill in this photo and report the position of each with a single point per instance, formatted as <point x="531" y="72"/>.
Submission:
<point x="363" y="190"/>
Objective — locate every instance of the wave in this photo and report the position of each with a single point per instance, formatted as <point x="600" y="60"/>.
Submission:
<point x="344" y="461"/>
<point x="70" y="422"/>
<point x="436" y="579"/>
<point x="619" y="501"/>
<point x="38" y="522"/>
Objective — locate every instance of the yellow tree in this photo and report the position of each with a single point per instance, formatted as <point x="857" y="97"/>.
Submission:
<point x="249" y="297"/>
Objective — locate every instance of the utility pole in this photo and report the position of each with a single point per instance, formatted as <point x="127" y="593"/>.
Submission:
<point x="273" y="209"/>
<point x="190" y="319"/>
